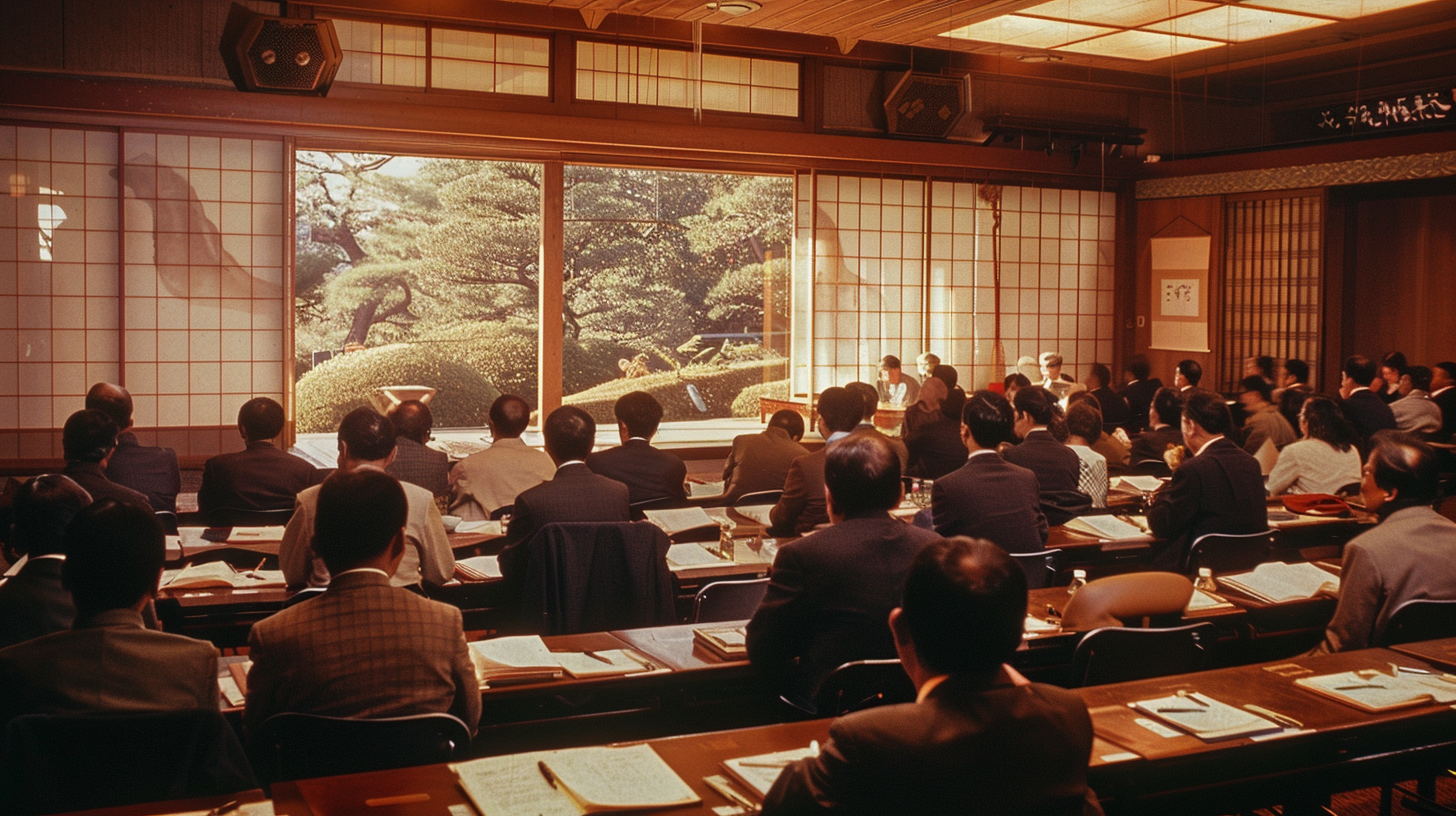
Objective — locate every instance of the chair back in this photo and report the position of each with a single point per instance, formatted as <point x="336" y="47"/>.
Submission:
<point x="862" y="684"/>
<point x="728" y="600"/>
<point x="596" y="577"/>
<point x="1127" y="599"/>
<point x="303" y="595"/>
<point x="55" y="763"/>
<point x="168" y="520"/>
<point x="1040" y="567"/>
<point x="243" y="517"/>
<point x="304" y="746"/>
<point x="1116" y="654"/>
<point x="1420" y="619"/>
<point x="1149" y="467"/>
<point x="759" y="497"/>
<point x="1226" y="553"/>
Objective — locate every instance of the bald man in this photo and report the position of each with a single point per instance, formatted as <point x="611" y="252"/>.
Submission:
<point x="414" y="461"/>
<point x="151" y="471"/>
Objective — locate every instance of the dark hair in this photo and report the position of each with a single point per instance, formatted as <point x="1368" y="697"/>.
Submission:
<point x="869" y="394"/>
<point x="1051" y="360"/>
<point x="1138" y="367"/>
<point x="790" y="420"/>
<point x="1448" y="367"/>
<point x="840" y="409"/>
<point x="1168" y="402"/>
<point x="1254" y="382"/>
<point x="890" y="361"/>
<point x="1290" y="402"/>
<point x="1359" y="368"/>
<point x="1036" y="403"/>
<point x="1083" y="396"/>
<point x="88" y="436"/>
<point x="261" y="418"/>
<point x="570" y="433"/>
<point x="1085" y="421"/>
<point x="1327" y="423"/>
<point x="862" y="473"/>
<point x="1102" y="374"/>
<point x="114" y="556"/>
<point x="1191" y="371"/>
<point x="640" y="412"/>
<point x="1017" y="379"/>
<point x="946" y="374"/>
<point x="368" y="434"/>
<point x="42" y="509"/>
<point x="509" y="416"/>
<point x="964" y="605"/>
<point x="112" y="400"/>
<point x="412" y="420"/>
<point x="989" y="418"/>
<point x="1395" y="361"/>
<point x="359" y="512"/>
<point x="1403" y="463"/>
<point x="954" y="402"/>
<point x="1265" y="364"/>
<point x="1298" y="369"/>
<point x="1208" y="411"/>
<point x="1420" y="377"/>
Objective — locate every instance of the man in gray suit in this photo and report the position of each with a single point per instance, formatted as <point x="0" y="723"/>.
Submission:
<point x="33" y="602"/>
<point x="761" y="461"/>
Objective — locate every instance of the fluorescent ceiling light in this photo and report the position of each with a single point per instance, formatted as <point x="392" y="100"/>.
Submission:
<point x="1128" y="13"/>
<point x="1027" y="32"/>
<point x="1237" y="24"/>
<point x="1139" y="45"/>
<point x="1343" y="9"/>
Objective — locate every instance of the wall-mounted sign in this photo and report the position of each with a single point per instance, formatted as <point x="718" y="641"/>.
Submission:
<point x="1409" y="110"/>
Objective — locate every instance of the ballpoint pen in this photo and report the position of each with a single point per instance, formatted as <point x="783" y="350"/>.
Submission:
<point x="595" y="656"/>
<point x="227" y="807"/>
<point x="1282" y="719"/>
<point x="1180" y="710"/>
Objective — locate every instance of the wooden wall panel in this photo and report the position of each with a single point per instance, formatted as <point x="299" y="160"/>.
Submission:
<point x="1153" y="216"/>
<point x="31" y="36"/>
<point x="1400" y="292"/>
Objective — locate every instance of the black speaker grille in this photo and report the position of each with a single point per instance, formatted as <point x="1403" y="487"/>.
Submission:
<point x="927" y="106"/>
<point x="285" y="41"/>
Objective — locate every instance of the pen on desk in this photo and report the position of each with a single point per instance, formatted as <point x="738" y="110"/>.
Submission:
<point x="1362" y="686"/>
<point x="227" y="807"/>
<point x="1191" y="696"/>
<point x="405" y="799"/>
<point x="1179" y="710"/>
<point x="546" y="772"/>
<point x="254" y="571"/>
<point x="1282" y="719"/>
<point x="595" y="656"/>
<point x="778" y="763"/>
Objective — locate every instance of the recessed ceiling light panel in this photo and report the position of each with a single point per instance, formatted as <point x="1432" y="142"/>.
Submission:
<point x="1140" y="45"/>
<point x="1027" y="32"/>
<point x="1343" y="9"/>
<point x="1237" y="24"/>
<point x="1129" y="13"/>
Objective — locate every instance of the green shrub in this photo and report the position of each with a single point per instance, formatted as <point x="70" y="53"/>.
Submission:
<point x="505" y="355"/>
<point x="326" y="394"/>
<point x="719" y="386"/>
<point x="746" y="403"/>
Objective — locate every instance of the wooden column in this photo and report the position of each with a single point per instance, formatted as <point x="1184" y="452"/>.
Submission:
<point x="551" y="286"/>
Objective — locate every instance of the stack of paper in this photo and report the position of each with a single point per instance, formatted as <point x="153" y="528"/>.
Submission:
<point x="728" y="642"/>
<point x="758" y="773"/>
<point x="507" y="660"/>
<point x="1204" y="717"/>
<point x="1138" y="484"/>
<point x="1277" y="582"/>
<point x="1037" y="626"/>
<point x="690" y="555"/>
<point x="1374" y="691"/>
<point x="220" y="574"/>
<point x="679" y="519"/>
<point x="573" y="781"/>
<point x="479" y="568"/>
<point x="1110" y="528"/>
<point x="757" y="512"/>
<point x="1203" y="600"/>
<point x="481" y="527"/>
<point x="608" y="663"/>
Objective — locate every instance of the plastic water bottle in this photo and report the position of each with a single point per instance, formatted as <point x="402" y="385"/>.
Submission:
<point x="1205" y="580"/>
<point x="1079" y="580"/>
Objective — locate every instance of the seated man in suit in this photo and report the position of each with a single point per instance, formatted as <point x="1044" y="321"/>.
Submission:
<point x="979" y="737"/>
<point x="761" y="461"/>
<point x="486" y="481"/>
<point x="896" y="387"/>
<point x="414" y="461"/>
<point x="1366" y="411"/>
<point x="1443" y="376"/>
<point x="366" y="442"/>
<point x="1187" y="375"/>
<point x="575" y="493"/>
<point x="1404" y="557"/>
<point x="1138" y="391"/>
<point x="1113" y="407"/>
<point x="88" y="440"/>
<point x="802" y="506"/>
<point x="151" y="471"/>
<point x="648" y="473"/>
<point x="989" y="497"/>
<point x="33" y="602"/>
<point x="1049" y="365"/>
<point x="1165" y="417"/>
<point x="1415" y="412"/>
<point x="362" y="649"/>
<point x="1262" y="420"/>
<point x="1217" y="489"/>
<point x="1056" y="466"/>
<point x="259" y="477"/>
<point x="871" y="399"/>
<point x="108" y="661"/>
<point x="831" y="590"/>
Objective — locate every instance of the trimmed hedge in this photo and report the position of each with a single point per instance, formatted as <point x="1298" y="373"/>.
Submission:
<point x="331" y="390"/>
<point x="719" y="386"/>
<point x="746" y="403"/>
<point x="505" y="355"/>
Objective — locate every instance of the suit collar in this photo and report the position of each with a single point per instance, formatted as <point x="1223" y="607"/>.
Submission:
<point x="262" y="443"/>
<point x="127" y="439"/>
<point x="1210" y="443"/>
<point x="110" y="619"/>
<point x="508" y="442"/>
<point x="356" y="579"/>
<point x="574" y="469"/>
<point x="88" y="468"/>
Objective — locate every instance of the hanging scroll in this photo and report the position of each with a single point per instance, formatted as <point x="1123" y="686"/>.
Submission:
<point x="1180" y="292"/>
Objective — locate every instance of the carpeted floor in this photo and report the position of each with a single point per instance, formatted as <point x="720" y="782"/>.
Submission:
<point x="1366" y="802"/>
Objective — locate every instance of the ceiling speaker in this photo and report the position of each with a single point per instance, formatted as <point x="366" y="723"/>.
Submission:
<point x="280" y="54"/>
<point x="926" y="105"/>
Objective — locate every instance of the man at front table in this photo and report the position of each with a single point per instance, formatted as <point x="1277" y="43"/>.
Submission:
<point x="1407" y="556"/>
<point x="979" y="737"/>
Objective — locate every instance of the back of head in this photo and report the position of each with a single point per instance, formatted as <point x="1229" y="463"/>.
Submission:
<point x="1395" y="361"/>
<point x="1264" y="364"/>
<point x="359" y="513"/>
<point x="1208" y="411"/>
<point x="1015" y="381"/>
<point x="1403" y="463"/>
<point x="1257" y="385"/>
<point x="862" y="473"/>
<point x="1083" y="396"/>
<point x="1168" y="403"/>
<point x="1298" y="369"/>
<point x="946" y="374"/>
<point x="509" y="416"/>
<point x="368" y="434"/>
<point x="1359" y="368"/>
<point x="1420" y="377"/>
<point x="88" y="436"/>
<point x="570" y="433"/>
<point x="1036" y="402"/>
<point x="840" y="409"/>
<point x="1139" y="367"/>
<point x="1327" y="423"/>
<point x="1447" y="367"/>
<point x="1191" y="370"/>
<point x="640" y="412"/>
<point x="989" y="418"/>
<point x="791" y="421"/>
<point x="1085" y="421"/>
<point x="1102" y="374"/>
<point x="869" y="395"/>
<point x="42" y="510"/>
<point x="114" y="556"/>
<point x="261" y="419"/>
<point x="112" y="400"/>
<point x="412" y="420"/>
<point x="964" y="605"/>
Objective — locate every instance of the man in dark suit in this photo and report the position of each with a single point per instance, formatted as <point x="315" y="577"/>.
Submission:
<point x="989" y="497"/>
<point x="979" y="737"/>
<point x="1056" y="466"/>
<point x="108" y="661"/>
<point x="1217" y="489"/>
<point x="1366" y="411"/>
<point x="761" y="461"/>
<point x="802" y="506"/>
<point x="149" y="470"/>
<point x="33" y="602"/>
<point x="87" y="440"/>
<point x="259" y="477"/>
<point x="1165" y="419"/>
<point x="648" y="473"/>
<point x="831" y="590"/>
<point x="1114" y="408"/>
<point x="575" y="493"/>
<point x="1138" y="391"/>
<point x="414" y="461"/>
<point x="871" y="399"/>
<point x="363" y="648"/>
<point x="1443" y="376"/>
<point x="1187" y="374"/>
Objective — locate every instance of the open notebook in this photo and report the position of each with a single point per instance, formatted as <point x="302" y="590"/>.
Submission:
<point x="1204" y="717"/>
<point x="573" y="781"/>
<point x="1277" y="582"/>
<point x="1374" y="691"/>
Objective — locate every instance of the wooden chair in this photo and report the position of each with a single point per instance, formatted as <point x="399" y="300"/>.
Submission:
<point x="304" y="746"/>
<point x="728" y="600"/>
<point x="1117" y="654"/>
<point x="241" y="517"/>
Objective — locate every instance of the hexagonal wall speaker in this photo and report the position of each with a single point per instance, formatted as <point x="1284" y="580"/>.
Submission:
<point x="926" y="106"/>
<point x="280" y="54"/>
